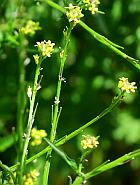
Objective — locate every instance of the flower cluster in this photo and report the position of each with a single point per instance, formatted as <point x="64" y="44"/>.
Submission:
<point x="30" y="28"/>
<point x="91" y="5"/>
<point x="46" y="48"/>
<point x="37" y="136"/>
<point x="89" y="142"/>
<point x="31" y="178"/>
<point x="126" y="86"/>
<point x="74" y="13"/>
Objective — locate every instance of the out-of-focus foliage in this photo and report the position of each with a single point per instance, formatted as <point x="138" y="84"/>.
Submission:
<point x="91" y="73"/>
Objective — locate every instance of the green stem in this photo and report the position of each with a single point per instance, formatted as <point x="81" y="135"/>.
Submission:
<point x="54" y="5"/>
<point x="30" y="122"/>
<point x="78" y="181"/>
<point x="21" y="97"/>
<point x="56" y="106"/>
<point x="76" y="132"/>
<point x="114" y="47"/>
<point x="120" y="161"/>
<point x="102" y="114"/>
<point x="8" y="170"/>
<point x="1" y="178"/>
<point x="110" y="45"/>
<point x="66" y="138"/>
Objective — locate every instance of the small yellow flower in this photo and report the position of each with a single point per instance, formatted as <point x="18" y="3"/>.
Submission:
<point x="30" y="28"/>
<point x="36" y="58"/>
<point x="91" y="5"/>
<point x="126" y="86"/>
<point x="97" y="1"/>
<point x="93" y="8"/>
<point x="46" y="48"/>
<point x="34" y="174"/>
<point x="11" y="179"/>
<point x="86" y="1"/>
<point x="31" y="178"/>
<point x="89" y="142"/>
<point x="74" y="13"/>
<point x="37" y="136"/>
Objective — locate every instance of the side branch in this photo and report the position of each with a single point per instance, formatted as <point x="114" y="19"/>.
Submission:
<point x="66" y="138"/>
<point x="114" y="47"/>
<point x="104" y="167"/>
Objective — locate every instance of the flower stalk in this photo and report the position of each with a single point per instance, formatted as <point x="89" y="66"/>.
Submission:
<point x="63" y="56"/>
<point x="114" y="47"/>
<point x="30" y="122"/>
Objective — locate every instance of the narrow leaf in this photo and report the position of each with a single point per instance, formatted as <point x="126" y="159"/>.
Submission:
<point x="69" y="161"/>
<point x="120" y="161"/>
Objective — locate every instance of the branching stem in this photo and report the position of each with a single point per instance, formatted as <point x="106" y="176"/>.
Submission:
<point x="114" y="47"/>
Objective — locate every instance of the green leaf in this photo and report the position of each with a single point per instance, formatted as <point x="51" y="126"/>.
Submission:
<point x="120" y="161"/>
<point x="69" y="161"/>
<point x="6" y="142"/>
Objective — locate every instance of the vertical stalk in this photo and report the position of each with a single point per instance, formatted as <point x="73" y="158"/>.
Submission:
<point x="21" y="98"/>
<point x="56" y="106"/>
<point x="30" y="123"/>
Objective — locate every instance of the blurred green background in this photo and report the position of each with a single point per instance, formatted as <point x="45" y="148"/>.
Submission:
<point x="92" y="72"/>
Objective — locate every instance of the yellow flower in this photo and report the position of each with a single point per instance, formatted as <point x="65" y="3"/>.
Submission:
<point x="86" y="1"/>
<point x="89" y="142"/>
<point x="30" y="28"/>
<point x="34" y="174"/>
<point x="31" y="178"/>
<point x="93" y="8"/>
<point x="11" y="179"/>
<point x="97" y="1"/>
<point x="91" y="5"/>
<point x="46" y="48"/>
<point x="37" y="136"/>
<point x="126" y="86"/>
<point x="74" y="13"/>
